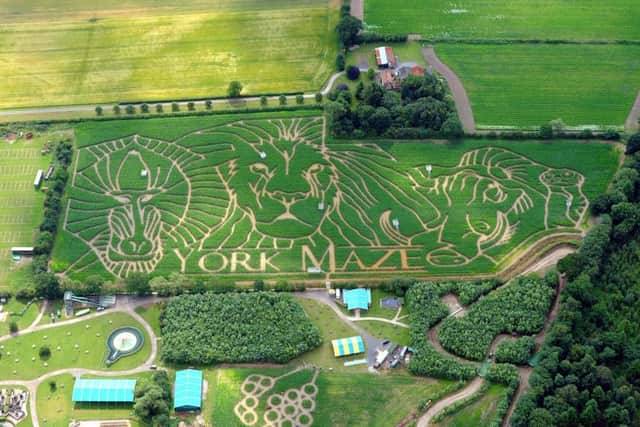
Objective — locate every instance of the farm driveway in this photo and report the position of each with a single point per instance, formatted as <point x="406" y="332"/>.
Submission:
<point x="357" y="9"/>
<point x="634" y="116"/>
<point x="457" y="89"/>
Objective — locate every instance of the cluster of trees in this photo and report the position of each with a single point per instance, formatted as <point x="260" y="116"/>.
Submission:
<point x="520" y="307"/>
<point x="422" y="104"/>
<point x="589" y="369"/>
<point x="517" y="351"/>
<point x="153" y="399"/>
<point x="46" y="284"/>
<point x="236" y="327"/>
<point x="426" y="310"/>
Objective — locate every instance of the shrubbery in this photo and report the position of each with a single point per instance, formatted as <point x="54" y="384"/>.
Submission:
<point x="520" y="307"/>
<point x="517" y="351"/>
<point x="153" y="399"/>
<point x="236" y="327"/>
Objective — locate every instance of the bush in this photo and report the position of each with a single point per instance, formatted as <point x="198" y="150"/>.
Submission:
<point x="340" y="62"/>
<point x="116" y="109"/>
<point x="98" y="110"/>
<point x="371" y="74"/>
<point x="520" y="307"/>
<point x="144" y="108"/>
<point x="13" y="327"/>
<point x="264" y="101"/>
<point x="159" y="108"/>
<point x="283" y="100"/>
<point x="318" y="97"/>
<point x="516" y="351"/>
<point x="44" y="352"/>
<point x="299" y="99"/>
<point x="208" y="104"/>
<point x="52" y="385"/>
<point x="130" y="109"/>
<point x="175" y="107"/>
<point x="353" y="72"/>
<point x="236" y="328"/>
<point x="191" y="106"/>
<point x="235" y="89"/>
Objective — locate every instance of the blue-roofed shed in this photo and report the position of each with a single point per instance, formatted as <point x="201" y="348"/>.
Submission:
<point x="188" y="390"/>
<point x="357" y="298"/>
<point x="103" y="390"/>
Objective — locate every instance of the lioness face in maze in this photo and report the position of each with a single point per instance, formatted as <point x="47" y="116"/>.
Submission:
<point x="291" y="186"/>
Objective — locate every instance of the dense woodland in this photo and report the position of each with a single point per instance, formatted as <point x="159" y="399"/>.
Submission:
<point x="589" y="372"/>
<point x="235" y="327"/>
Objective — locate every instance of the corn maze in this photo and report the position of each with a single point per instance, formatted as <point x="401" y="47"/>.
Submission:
<point x="263" y="196"/>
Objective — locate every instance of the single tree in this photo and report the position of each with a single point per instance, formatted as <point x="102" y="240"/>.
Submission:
<point x="116" y="109"/>
<point x="299" y="99"/>
<point x="130" y="109"/>
<point x="47" y="285"/>
<point x="263" y="101"/>
<point x="353" y="72"/>
<point x="258" y="285"/>
<point x="45" y="352"/>
<point x="283" y="100"/>
<point x="319" y="97"/>
<point x="98" y="110"/>
<point x="13" y="327"/>
<point x="53" y="386"/>
<point x="371" y="74"/>
<point x="235" y="89"/>
<point x="348" y="29"/>
<point x="175" y="107"/>
<point x="144" y="108"/>
<point x="208" y="104"/>
<point x="159" y="108"/>
<point x="340" y="62"/>
<point x="191" y="106"/>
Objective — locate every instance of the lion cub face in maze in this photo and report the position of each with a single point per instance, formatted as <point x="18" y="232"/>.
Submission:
<point x="291" y="186"/>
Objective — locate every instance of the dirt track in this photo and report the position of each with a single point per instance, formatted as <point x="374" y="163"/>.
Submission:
<point x="466" y="392"/>
<point x="463" y="105"/>
<point x="634" y="116"/>
<point x="357" y="9"/>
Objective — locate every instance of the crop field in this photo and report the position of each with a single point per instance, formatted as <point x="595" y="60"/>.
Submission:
<point x="507" y="19"/>
<point x="20" y="204"/>
<point x="78" y="52"/>
<point x="528" y="85"/>
<point x="269" y="194"/>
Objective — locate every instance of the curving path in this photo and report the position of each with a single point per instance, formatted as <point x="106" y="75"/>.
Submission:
<point x="632" y="124"/>
<point x="126" y="306"/>
<point x="463" y="105"/>
<point x="436" y="408"/>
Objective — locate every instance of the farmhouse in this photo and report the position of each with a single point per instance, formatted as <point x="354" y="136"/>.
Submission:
<point x="385" y="58"/>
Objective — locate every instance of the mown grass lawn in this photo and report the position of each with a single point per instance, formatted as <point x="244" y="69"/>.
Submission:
<point x="507" y="19"/>
<point x="151" y="313"/>
<point x="90" y="354"/>
<point x="21" y="206"/>
<point x="382" y="330"/>
<point x="529" y="85"/>
<point x="14" y="305"/>
<point x="479" y="413"/>
<point x="143" y="50"/>
<point x="344" y="399"/>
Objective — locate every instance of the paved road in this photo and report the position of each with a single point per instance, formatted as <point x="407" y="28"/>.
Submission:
<point x="90" y="108"/>
<point x="632" y="120"/>
<point x="357" y="9"/>
<point x="463" y="105"/>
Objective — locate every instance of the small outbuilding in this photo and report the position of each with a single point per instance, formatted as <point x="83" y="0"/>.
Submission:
<point x="188" y="391"/>
<point x="347" y="346"/>
<point x="38" y="179"/>
<point x="357" y="299"/>
<point x="103" y="390"/>
<point x="385" y="58"/>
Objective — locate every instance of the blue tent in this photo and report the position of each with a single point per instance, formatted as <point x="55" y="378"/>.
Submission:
<point x="188" y="390"/>
<point x="357" y="298"/>
<point x="103" y="390"/>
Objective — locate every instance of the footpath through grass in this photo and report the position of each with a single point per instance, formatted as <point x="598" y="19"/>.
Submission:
<point x="144" y="50"/>
<point x="529" y="85"/>
<point x="16" y="362"/>
<point x="480" y="413"/>
<point x="507" y="19"/>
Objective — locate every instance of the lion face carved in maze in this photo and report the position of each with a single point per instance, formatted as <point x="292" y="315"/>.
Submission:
<point x="276" y="185"/>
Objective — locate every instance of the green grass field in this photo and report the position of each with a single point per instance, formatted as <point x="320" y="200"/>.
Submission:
<point x="528" y="85"/>
<point x="20" y="204"/>
<point x="342" y="399"/>
<point x="73" y="52"/>
<point x="502" y="19"/>
<point x="271" y="196"/>
<point x="16" y="361"/>
<point x="479" y="413"/>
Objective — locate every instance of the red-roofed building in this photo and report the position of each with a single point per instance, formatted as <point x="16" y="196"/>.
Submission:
<point x="418" y="71"/>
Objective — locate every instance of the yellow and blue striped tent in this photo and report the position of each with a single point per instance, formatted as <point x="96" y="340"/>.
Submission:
<point x="347" y="346"/>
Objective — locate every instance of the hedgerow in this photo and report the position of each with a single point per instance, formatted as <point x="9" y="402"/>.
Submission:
<point x="256" y="327"/>
<point x="427" y="310"/>
<point x="519" y="308"/>
<point x="517" y="351"/>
